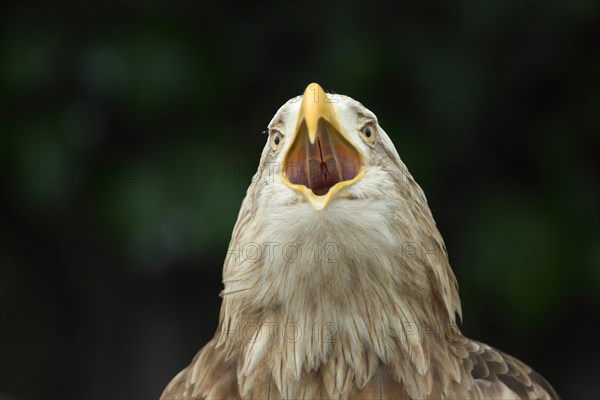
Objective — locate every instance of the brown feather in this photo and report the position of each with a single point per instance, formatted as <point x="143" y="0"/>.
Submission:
<point x="377" y="321"/>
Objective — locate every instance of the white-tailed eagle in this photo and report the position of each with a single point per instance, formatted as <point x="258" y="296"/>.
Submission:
<point x="337" y="281"/>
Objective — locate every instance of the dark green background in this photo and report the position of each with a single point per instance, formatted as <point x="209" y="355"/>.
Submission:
<point x="130" y="130"/>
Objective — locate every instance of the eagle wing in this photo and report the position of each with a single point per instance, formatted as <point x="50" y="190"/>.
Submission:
<point x="208" y="376"/>
<point x="490" y="374"/>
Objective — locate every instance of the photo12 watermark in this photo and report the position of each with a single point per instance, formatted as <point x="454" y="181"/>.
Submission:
<point x="268" y="252"/>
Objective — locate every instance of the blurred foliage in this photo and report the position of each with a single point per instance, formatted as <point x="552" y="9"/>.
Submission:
<point x="131" y="130"/>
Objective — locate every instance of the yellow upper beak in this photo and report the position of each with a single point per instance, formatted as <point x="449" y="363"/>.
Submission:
<point x="315" y="105"/>
<point x="321" y="160"/>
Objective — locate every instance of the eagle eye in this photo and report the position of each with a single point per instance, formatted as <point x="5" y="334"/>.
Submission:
<point x="369" y="133"/>
<point x="276" y="140"/>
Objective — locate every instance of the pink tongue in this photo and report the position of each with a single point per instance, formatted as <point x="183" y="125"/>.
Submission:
<point x="322" y="175"/>
<point x="323" y="171"/>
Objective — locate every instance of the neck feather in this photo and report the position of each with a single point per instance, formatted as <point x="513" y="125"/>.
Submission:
<point x="351" y="287"/>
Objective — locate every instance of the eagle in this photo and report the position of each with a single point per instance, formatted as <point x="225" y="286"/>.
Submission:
<point x="337" y="282"/>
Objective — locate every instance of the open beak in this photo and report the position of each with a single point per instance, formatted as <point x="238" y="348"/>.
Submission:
<point x="321" y="160"/>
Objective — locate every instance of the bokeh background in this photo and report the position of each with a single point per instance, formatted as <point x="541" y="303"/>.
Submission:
<point x="130" y="130"/>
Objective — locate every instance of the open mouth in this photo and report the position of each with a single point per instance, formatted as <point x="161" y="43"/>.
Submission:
<point x="321" y="160"/>
<point x="321" y="165"/>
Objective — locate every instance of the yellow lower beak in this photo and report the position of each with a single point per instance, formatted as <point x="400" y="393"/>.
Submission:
<point x="321" y="161"/>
